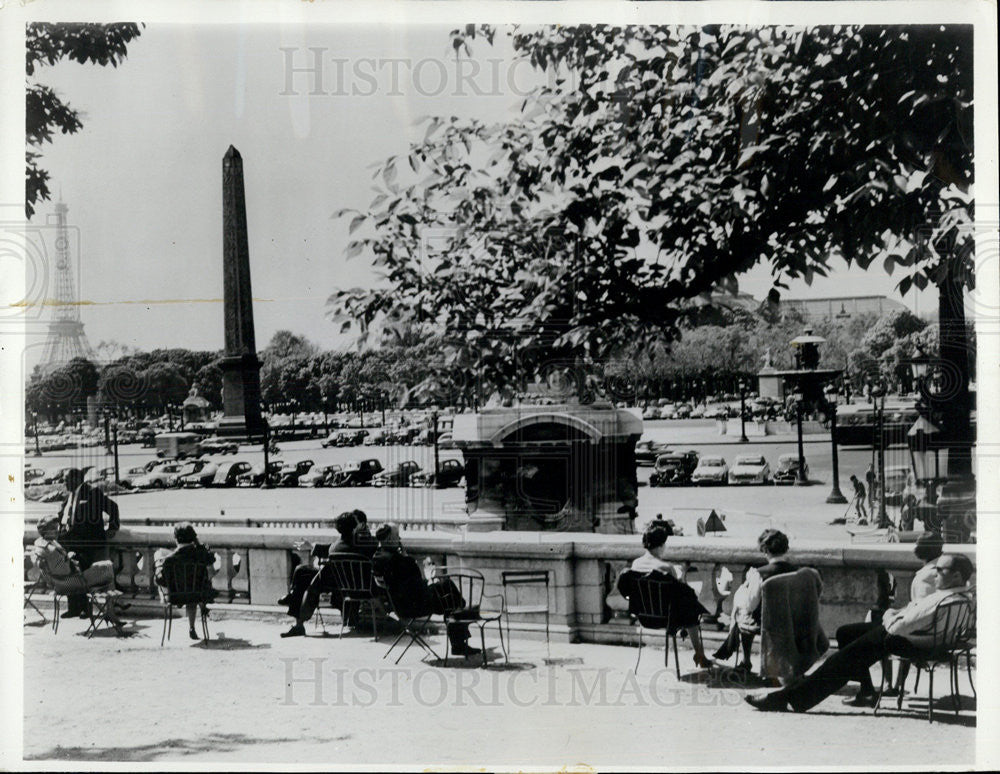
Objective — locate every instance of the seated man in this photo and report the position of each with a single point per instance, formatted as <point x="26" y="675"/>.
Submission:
<point x="411" y="594"/>
<point x="309" y="582"/>
<point x="64" y="570"/>
<point x="861" y="645"/>
<point x="746" y="600"/>
<point x="363" y="541"/>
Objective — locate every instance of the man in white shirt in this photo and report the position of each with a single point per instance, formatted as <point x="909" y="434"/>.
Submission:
<point x="898" y="633"/>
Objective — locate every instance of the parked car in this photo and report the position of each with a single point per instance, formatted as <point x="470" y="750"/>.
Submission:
<point x="651" y="412"/>
<point x="351" y="437"/>
<point x="216" y="445"/>
<point x="710" y="470"/>
<point x="96" y="474"/>
<point x="449" y="473"/>
<point x="375" y="438"/>
<point x="33" y="475"/>
<point x="199" y="478"/>
<point x="159" y="478"/>
<point x="398" y="476"/>
<point x="788" y="469"/>
<point x="228" y="473"/>
<point x="646" y="452"/>
<point x="56" y="477"/>
<point x="321" y="476"/>
<point x="132" y="474"/>
<point x="187" y="469"/>
<point x="683" y="411"/>
<point x="674" y="468"/>
<point x="177" y="445"/>
<point x="330" y="440"/>
<point x="359" y="473"/>
<point x="750" y="469"/>
<point x="289" y="474"/>
<point x="255" y="475"/>
<point x="697" y="412"/>
<point x="446" y="440"/>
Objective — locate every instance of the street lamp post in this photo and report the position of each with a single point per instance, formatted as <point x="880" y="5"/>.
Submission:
<point x="114" y="442"/>
<point x="836" y="496"/>
<point x="743" y="414"/>
<point x="434" y="419"/>
<point x="34" y="424"/>
<point x="800" y="476"/>
<point x="877" y="392"/>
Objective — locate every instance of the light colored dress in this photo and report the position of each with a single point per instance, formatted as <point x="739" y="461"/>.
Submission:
<point x="649" y="563"/>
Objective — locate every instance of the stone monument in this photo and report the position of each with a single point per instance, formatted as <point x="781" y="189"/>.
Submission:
<point x="567" y="467"/>
<point x="240" y="366"/>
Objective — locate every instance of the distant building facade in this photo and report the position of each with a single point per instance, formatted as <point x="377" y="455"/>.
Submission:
<point x="841" y="307"/>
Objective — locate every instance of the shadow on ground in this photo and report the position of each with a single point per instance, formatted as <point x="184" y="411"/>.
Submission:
<point x="211" y="743"/>
<point x="230" y="643"/>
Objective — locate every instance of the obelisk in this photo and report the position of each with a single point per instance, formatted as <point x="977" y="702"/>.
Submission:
<point x="240" y="366"/>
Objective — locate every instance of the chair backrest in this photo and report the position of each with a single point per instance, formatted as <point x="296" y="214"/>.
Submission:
<point x="654" y="592"/>
<point x="953" y="623"/>
<point x="514" y="579"/>
<point x="470" y="585"/>
<point x="353" y="574"/>
<point x="185" y="577"/>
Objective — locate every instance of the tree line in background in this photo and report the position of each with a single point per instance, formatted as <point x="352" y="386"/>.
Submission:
<point x="729" y="346"/>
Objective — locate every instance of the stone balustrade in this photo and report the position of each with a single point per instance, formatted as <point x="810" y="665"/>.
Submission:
<point x="255" y="565"/>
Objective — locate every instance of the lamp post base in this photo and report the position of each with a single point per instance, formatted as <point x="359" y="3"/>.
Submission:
<point x="836" y="497"/>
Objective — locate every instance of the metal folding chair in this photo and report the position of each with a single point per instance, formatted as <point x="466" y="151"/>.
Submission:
<point x="185" y="584"/>
<point x="513" y="582"/>
<point x="952" y="634"/>
<point x="31" y="586"/>
<point x="459" y="595"/>
<point x="409" y="625"/>
<point x="353" y="574"/>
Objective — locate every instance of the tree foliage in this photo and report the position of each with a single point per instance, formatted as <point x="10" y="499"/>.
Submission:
<point x="47" y="113"/>
<point x="660" y="164"/>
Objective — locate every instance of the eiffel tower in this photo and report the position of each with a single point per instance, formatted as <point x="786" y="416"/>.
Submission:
<point x="66" y="339"/>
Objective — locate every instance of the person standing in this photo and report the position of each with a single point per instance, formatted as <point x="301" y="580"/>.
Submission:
<point x="82" y="529"/>
<point x="859" y="500"/>
<point x="870" y="481"/>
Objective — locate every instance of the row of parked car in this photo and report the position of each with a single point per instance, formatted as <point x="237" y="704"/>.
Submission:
<point x="756" y="408"/>
<point x="198" y="473"/>
<point x="401" y="436"/>
<point x="684" y="468"/>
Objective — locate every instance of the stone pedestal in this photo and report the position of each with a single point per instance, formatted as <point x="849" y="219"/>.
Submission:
<point x="566" y="468"/>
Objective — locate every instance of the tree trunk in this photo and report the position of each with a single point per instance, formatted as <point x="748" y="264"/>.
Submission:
<point x="955" y="404"/>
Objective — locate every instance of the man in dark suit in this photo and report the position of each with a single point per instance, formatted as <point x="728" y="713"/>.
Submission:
<point x="82" y="530"/>
<point x="411" y="594"/>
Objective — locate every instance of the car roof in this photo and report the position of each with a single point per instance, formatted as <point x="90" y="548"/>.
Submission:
<point x="713" y="458"/>
<point x="755" y="458"/>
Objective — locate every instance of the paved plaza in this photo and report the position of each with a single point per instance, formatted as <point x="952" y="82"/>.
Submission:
<point x="249" y="696"/>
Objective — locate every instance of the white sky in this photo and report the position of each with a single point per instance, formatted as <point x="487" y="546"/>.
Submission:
<point x="142" y="179"/>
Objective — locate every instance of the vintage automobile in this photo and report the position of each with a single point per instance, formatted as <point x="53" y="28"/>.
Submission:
<point x="375" y="438"/>
<point x="674" y="468"/>
<point x="330" y="440"/>
<point x="449" y="473"/>
<point x="359" y="473"/>
<point x="255" y="476"/>
<point x="216" y="445"/>
<point x="398" y="476"/>
<point x="229" y="472"/>
<point x="351" y="437"/>
<point x="199" y="478"/>
<point x="899" y="482"/>
<point x="321" y="476"/>
<point x="651" y="412"/>
<point x="788" y="469"/>
<point x="710" y="470"/>
<point x="683" y="411"/>
<point x="190" y="468"/>
<point x="159" y="478"/>
<point x="33" y="475"/>
<point x="288" y="474"/>
<point x="750" y="469"/>
<point x="646" y="452"/>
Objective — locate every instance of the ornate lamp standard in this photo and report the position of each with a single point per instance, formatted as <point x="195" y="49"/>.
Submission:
<point x="34" y="424"/>
<point x="836" y="496"/>
<point x="800" y="475"/>
<point x="877" y="392"/>
<point x="743" y="413"/>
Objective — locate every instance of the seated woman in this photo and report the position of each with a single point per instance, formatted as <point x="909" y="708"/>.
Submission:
<point x="65" y="573"/>
<point x="187" y="572"/>
<point x="686" y="616"/>
<point x="746" y="600"/>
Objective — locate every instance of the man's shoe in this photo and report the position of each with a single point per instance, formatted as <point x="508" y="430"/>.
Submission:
<point x="285" y="600"/>
<point x="192" y="633"/>
<point x="466" y="650"/>
<point x="298" y="630"/>
<point x="768" y="702"/>
<point x="70" y="614"/>
<point x="860" y="699"/>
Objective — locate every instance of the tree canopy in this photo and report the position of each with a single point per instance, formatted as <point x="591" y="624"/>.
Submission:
<point x="659" y="165"/>
<point x="48" y="113"/>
